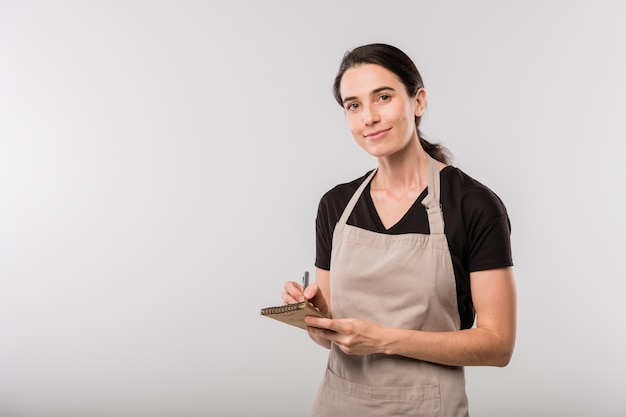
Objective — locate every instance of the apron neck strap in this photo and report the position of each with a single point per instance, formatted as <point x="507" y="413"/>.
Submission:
<point x="355" y="198"/>
<point x="431" y="201"/>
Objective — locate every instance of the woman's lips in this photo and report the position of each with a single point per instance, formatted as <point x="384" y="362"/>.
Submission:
<point x="377" y="134"/>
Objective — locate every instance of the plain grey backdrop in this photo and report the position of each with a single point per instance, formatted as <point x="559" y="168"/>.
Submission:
<point x="161" y="164"/>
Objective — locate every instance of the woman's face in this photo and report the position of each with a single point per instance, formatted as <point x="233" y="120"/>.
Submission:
<point x="379" y="111"/>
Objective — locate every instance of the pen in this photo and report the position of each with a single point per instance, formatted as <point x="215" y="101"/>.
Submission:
<point x="305" y="280"/>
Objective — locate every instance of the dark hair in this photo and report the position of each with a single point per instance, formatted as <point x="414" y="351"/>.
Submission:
<point x="400" y="64"/>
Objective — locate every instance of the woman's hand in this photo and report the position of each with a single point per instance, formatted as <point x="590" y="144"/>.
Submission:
<point x="352" y="336"/>
<point x="317" y="293"/>
<point x="294" y="293"/>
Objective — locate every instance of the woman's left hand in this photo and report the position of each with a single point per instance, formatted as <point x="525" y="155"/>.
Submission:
<point x="352" y="336"/>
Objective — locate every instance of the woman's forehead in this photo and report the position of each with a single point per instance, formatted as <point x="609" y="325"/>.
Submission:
<point x="365" y="78"/>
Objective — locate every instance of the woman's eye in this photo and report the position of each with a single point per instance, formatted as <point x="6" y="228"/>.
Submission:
<point x="352" y="106"/>
<point x="384" y="97"/>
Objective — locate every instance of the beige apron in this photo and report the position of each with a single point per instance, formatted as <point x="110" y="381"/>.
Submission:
<point x="403" y="281"/>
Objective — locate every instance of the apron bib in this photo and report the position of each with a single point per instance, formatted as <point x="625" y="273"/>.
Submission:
<point x="403" y="281"/>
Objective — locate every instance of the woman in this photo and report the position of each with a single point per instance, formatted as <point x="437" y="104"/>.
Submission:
<point x="407" y="257"/>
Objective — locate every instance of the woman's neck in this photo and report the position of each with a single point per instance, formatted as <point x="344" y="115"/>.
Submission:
<point x="404" y="172"/>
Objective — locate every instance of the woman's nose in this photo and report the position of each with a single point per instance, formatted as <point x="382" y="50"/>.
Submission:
<point x="370" y="116"/>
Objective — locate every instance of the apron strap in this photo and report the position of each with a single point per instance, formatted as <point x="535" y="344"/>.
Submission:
<point x="431" y="201"/>
<point x="355" y="198"/>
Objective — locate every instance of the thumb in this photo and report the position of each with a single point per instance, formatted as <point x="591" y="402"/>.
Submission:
<point x="311" y="291"/>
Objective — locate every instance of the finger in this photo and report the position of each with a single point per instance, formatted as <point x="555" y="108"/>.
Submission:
<point x="311" y="291"/>
<point x="294" y="292"/>
<point x="315" y="296"/>
<point x="287" y="298"/>
<point x="323" y="333"/>
<point x="320" y="323"/>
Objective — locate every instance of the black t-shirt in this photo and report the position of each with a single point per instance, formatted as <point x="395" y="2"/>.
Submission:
<point x="476" y="225"/>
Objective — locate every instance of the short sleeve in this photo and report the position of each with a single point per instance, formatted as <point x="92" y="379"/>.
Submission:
<point x="488" y="230"/>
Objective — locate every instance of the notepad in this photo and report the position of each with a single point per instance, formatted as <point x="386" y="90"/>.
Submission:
<point x="292" y="314"/>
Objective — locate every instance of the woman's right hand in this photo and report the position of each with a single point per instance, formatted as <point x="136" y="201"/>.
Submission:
<point x="318" y="294"/>
<point x="294" y="293"/>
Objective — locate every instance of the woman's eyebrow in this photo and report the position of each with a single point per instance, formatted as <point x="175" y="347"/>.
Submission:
<point x="372" y="93"/>
<point x="380" y="90"/>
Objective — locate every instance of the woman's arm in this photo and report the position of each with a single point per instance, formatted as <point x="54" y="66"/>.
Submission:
<point x="490" y="342"/>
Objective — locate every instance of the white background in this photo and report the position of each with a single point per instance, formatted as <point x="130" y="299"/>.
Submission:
<point x="161" y="164"/>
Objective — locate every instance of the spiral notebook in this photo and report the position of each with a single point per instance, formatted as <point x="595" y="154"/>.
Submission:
<point x="292" y="314"/>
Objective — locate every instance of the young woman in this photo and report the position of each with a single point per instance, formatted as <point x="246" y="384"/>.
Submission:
<point x="409" y="257"/>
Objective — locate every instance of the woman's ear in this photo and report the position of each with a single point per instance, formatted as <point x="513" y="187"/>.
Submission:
<point x="420" y="99"/>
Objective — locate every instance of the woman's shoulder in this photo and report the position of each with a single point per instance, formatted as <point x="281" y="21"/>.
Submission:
<point x="473" y="196"/>
<point x="340" y="194"/>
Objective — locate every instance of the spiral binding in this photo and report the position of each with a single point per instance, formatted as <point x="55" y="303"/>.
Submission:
<point x="287" y="308"/>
